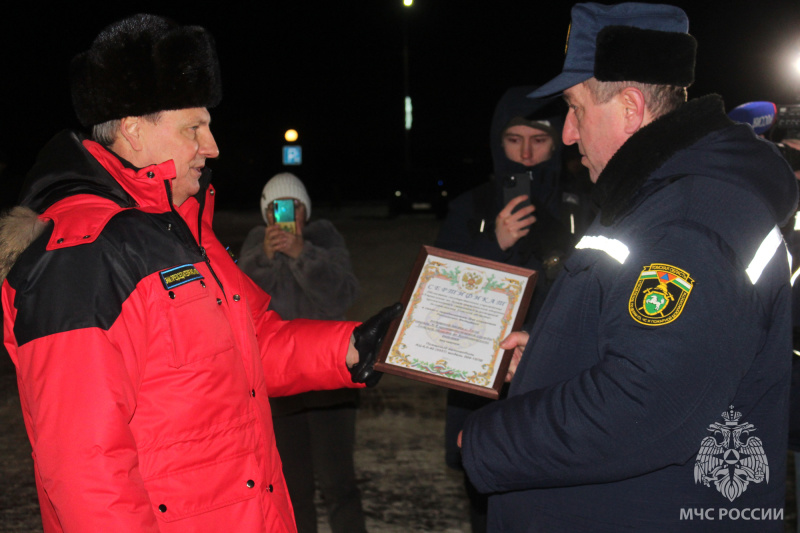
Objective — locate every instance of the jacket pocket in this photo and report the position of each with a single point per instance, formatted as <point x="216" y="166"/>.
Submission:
<point x="191" y="492"/>
<point x="198" y="326"/>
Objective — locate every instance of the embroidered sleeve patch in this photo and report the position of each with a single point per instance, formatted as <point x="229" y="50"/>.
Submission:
<point x="176" y="276"/>
<point x="660" y="294"/>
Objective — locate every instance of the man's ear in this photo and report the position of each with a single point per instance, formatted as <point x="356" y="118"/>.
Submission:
<point x="130" y="131"/>
<point x="634" y="109"/>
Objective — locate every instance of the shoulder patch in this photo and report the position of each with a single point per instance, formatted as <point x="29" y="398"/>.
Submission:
<point x="179" y="275"/>
<point x="660" y="294"/>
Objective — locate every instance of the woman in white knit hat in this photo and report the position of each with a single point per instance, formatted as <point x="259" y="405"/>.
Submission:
<point x="308" y="274"/>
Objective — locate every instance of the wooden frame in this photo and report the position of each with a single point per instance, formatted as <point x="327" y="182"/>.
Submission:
<point x="458" y="308"/>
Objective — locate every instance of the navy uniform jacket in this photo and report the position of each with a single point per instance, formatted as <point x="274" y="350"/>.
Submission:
<point x="674" y="309"/>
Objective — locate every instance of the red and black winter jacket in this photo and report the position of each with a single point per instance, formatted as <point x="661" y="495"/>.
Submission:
<point x="145" y="357"/>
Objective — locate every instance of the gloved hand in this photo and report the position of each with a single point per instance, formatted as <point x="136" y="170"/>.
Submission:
<point x="368" y="339"/>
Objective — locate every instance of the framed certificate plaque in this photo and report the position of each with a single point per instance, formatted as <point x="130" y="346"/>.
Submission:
<point x="458" y="309"/>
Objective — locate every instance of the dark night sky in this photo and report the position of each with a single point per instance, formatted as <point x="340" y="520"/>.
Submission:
<point x="334" y="72"/>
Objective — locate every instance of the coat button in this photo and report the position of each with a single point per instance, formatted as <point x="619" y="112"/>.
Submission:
<point x="162" y="508"/>
<point x="219" y="301"/>
<point x="236" y="298"/>
<point x="250" y="483"/>
<point x="172" y="295"/>
<point x="202" y="283"/>
<point x="253" y="393"/>
<point x="269" y="487"/>
<point x="86" y="236"/>
<point x="211" y="192"/>
<point x="151" y="174"/>
<point x="59" y="241"/>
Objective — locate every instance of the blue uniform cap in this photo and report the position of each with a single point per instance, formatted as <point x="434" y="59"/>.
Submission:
<point x="626" y="42"/>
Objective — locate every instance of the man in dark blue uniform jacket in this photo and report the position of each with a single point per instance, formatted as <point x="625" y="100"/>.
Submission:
<point x="652" y="390"/>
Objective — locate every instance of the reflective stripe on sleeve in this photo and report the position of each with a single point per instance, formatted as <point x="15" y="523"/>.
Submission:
<point x="619" y="251"/>
<point x="764" y="254"/>
<point x="614" y="248"/>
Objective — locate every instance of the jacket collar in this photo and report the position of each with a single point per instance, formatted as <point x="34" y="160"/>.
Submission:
<point x="146" y="185"/>
<point x="73" y="187"/>
<point x="649" y="148"/>
<point x="151" y="187"/>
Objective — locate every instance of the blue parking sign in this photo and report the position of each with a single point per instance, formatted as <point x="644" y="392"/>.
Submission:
<point x="292" y="155"/>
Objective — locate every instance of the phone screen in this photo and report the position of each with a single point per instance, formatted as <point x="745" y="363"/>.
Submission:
<point x="283" y="210"/>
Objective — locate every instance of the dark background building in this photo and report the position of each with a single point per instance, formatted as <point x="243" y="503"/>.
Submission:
<point x="334" y="71"/>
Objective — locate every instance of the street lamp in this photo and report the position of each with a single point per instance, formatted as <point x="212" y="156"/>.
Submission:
<point x="796" y="64"/>
<point x="292" y="153"/>
<point x="795" y="75"/>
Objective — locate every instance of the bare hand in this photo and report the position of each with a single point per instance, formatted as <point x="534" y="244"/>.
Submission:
<point x="508" y="227"/>
<point x="352" y="356"/>
<point x="278" y="240"/>
<point x="517" y="341"/>
<point x="792" y="143"/>
<point x="268" y="249"/>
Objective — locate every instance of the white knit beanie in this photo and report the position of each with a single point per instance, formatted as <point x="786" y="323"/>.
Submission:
<point x="284" y="185"/>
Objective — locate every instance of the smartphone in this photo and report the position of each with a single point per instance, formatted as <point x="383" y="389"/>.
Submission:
<point x="514" y="186"/>
<point x="283" y="210"/>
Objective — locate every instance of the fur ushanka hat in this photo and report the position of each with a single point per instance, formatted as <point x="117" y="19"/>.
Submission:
<point x="144" y="64"/>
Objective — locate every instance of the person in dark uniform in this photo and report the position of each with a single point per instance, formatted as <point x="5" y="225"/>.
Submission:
<point x="489" y="222"/>
<point x="652" y="390"/>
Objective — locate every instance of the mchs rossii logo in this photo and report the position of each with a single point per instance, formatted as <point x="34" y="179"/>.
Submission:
<point x="731" y="458"/>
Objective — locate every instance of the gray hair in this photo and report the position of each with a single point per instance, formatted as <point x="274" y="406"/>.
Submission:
<point x="105" y="133"/>
<point x="659" y="99"/>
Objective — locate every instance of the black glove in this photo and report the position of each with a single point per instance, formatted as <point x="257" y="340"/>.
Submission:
<point x="368" y="337"/>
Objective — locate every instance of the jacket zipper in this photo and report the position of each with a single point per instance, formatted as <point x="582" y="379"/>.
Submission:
<point x="187" y="232"/>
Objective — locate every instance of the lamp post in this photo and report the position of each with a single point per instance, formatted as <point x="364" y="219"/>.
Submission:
<point x="406" y="96"/>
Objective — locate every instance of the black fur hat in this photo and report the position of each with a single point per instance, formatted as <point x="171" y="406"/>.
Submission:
<point x="626" y="53"/>
<point x="144" y="64"/>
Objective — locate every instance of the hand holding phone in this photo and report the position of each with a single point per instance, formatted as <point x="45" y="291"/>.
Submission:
<point x="283" y="213"/>
<point x="514" y="186"/>
<point x="512" y="223"/>
<point x="284" y="232"/>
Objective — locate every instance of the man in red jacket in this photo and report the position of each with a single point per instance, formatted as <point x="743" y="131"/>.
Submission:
<point x="144" y="356"/>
